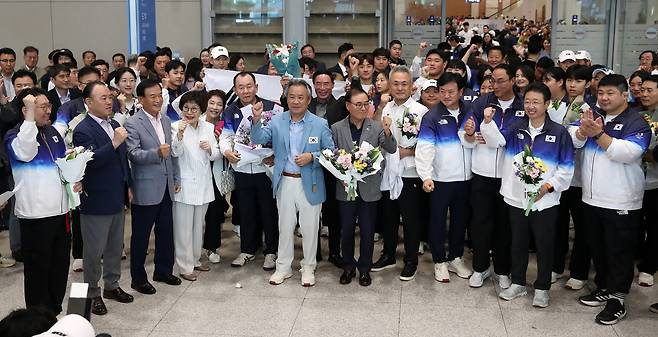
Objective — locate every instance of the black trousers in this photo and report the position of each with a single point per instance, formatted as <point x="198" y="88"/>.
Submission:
<point x="143" y="220"/>
<point x="571" y="207"/>
<point x="254" y="194"/>
<point x="367" y="213"/>
<point x="408" y="204"/>
<point x="453" y="196"/>
<point x="649" y="243"/>
<point x="46" y="245"/>
<point x="212" y="237"/>
<point x="541" y="227"/>
<point x="76" y="234"/>
<point x="612" y="240"/>
<point x="490" y="227"/>
<point x="330" y="216"/>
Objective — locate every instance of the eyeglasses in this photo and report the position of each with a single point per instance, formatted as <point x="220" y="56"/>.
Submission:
<point x="361" y="105"/>
<point x="192" y="110"/>
<point x="46" y="106"/>
<point x="8" y="60"/>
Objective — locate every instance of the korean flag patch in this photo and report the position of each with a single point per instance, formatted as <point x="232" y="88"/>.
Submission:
<point x="312" y="140"/>
<point x="520" y="135"/>
<point x="618" y="127"/>
<point x="519" y="113"/>
<point x="550" y="139"/>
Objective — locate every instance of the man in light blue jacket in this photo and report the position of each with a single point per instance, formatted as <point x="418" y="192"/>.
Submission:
<point x="297" y="138"/>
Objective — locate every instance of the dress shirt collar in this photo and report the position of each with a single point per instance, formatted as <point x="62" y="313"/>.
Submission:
<point x="407" y="104"/>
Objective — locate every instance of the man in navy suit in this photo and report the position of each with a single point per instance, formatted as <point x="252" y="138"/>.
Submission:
<point x="105" y="183"/>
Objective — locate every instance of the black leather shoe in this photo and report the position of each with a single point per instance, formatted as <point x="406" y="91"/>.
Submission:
<point x="168" y="279"/>
<point x="336" y="260"/>
<point x="97" y="306"/>
<point x="347" y="276"/>
<point x="146" y="288"/>
<point x="364" y="279"/>
<point x="118" y="295"/>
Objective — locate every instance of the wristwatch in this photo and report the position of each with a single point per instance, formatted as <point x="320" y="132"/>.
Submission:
<point x="598" y="135"/>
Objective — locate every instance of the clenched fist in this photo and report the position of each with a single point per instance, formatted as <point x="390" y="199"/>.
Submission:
<point x="120" y="135"/>
<point x="164" y="150"/>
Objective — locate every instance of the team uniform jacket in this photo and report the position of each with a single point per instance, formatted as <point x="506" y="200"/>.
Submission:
<point x="552" y="145"/>
<point x="32" y="153"/>
<point x="440" y="154"/>
<point x="613" y="178"/>
<point x="488" y="158"/>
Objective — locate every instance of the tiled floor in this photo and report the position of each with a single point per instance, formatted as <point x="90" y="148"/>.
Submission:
<point x="214" y="306"/>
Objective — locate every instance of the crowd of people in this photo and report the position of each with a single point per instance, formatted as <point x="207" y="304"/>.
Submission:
<point x="164" y="146"/>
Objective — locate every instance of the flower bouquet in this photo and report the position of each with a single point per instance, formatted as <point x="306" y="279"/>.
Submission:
<point x="409" y="125"/>
<point x="252" y="153"/>
<point x="68" y="135"/>
<point x="280" y="55"/>
<point x="352" y="167"/>
<point x="72" y="170"/>
<point x="529" y="170"/>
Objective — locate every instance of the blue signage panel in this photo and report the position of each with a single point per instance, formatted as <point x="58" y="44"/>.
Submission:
<point x="142" y="36"/>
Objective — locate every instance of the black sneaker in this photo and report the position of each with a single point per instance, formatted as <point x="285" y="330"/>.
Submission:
<point x="384" y="262"/>
<point x="613" y="312"/>
<point x="408" y="272"/>
<point x="595" y="299"/>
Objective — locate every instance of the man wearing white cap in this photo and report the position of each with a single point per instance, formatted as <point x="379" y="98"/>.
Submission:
<point x="219" y="57"/>
<point x="566" y="59"/>
<point x="583" y="57"/>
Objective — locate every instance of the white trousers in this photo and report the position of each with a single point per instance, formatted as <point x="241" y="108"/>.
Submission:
<point x="290" y="200"/>
<point x="189" y="221"/>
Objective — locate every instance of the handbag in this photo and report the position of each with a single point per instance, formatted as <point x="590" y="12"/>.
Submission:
<point x="224" y="178"/>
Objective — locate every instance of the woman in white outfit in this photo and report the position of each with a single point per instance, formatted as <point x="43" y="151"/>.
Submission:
<point x="194" y="144"/>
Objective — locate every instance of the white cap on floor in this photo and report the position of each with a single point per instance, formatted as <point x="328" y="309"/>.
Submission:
<point x="70" y="326"/>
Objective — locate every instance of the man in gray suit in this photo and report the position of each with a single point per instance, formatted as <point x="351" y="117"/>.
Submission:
<point x="155" y="178"/>
<point x="356" y="128"/>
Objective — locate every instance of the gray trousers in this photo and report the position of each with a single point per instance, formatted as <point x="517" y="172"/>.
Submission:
<point x="103" y="238"/>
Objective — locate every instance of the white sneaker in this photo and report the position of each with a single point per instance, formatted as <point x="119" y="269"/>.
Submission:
<point x="477" y="279"/>
<point x="458" y="267"/>
<point x="504" y="282"/>
<point x="123" y="254"/>
<point x="421" y="248"/>
<point x="541" y="299"/>
<point x="242" y="259"/>
<point x="77" y="265"/>
<point x="513" y="292"/>
<point x="6" y="262"/>
<point x="213" y="257"/>
<point x="441" y="273"/>
<point x="278" y="277"/>
<point x="236" y="230"/>
<point x="555" y="277"/>
<point x="575" y="284"/>
<point x="645" y="280"/>
<point x="377" y="237"/>
<point x="270" y="262"/>
<point x="324" y="232"/>
<point x="308" y="277"/>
